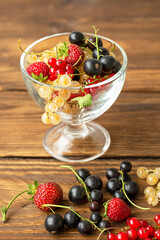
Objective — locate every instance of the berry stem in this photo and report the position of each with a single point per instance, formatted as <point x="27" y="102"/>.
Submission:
<point x="71" y="209"/>
<point x="113" y="47"/>
<point x="106" y="229"/>
<point x="79" y="178"/>
<point x="96" y="30"/>
<point x="128" y="197"/>
<point x="77" y="61"/>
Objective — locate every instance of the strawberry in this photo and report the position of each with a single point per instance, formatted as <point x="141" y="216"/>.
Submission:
<point x="38" y="70"/>
<point x="72" y="54"/>
<point x="48" y="193"/>
<point x="118" y="210"/>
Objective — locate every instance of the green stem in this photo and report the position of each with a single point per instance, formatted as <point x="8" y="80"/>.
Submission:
<point x="96" y="30"/>
<point x="113" y="47"/>
<point x="71" y="209"/>
<point x="79" y="178"/>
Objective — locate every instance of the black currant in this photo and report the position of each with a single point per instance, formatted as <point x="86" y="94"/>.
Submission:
<point x="94" y="206"/>
<point x="131" y="188"/>
<point x="126" y="177"/>
<point x="104" y="224"/>
<point x="77" y="194"/>
<point x="54" y="223"/>
<point x="112" y="173"/>
<point x="83" y="173"/>
<point x="93" y="40"/>
<point x="117" y="67"/>
<point x="76" y="77"/>
<point x="96" y="195"/>
<point x="93" y="182"/>
<point x="125" y="166"/>
<point x="102" y="52"/>
<point x="84" y="227"/>
<point x="71" y="219"/>
<point x="113" y="185"/>
<point x="95" y="217"/>
<point x="108" y="63"/>
<point x="77" y="37"/>
<point x="92" y="67"/>
<point x="119" y="194"/>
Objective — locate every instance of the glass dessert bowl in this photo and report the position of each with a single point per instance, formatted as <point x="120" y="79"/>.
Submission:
<point x="75" y="139"/>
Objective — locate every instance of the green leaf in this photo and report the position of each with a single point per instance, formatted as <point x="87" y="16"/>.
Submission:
<point x="30" y="192"/>
<point x="85" y="101"/>
<point x="63" y="50"/>
<point x="36" y="184"/>
<point x="32" y="198"/>
<point x="35" y="76"/>
<point x="41" y="76"/>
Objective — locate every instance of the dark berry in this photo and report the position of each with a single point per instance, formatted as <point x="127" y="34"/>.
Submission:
<point x="131" y="188"/>
<point x="93" y="182"/>
<point x="77" y="194"/>
<point x="126" y="177"/>
<point x="83" y="173"/>
<point x="92" y="67"/>
<point x="113" y="185"/>
<point x="125" y="166"/>
<point x="76" y="77"/>
<point x="112" y="173"/>
<point x="93" y="40"/>
<point x="84" y="227"/>
<point x="71" y="219"/>
<point x="102" y="52"/>
<point x="108" y="63"/>
<point x="96" y="217"/>
<point x="94" y="206"/>
<point x="54" y="223"/>
<point x="119" y="194"/>
<point x="117" y="67"/>
<point x="77" y="37"/>
<point x="96" y="195"/>
<point x="104" y="224"/>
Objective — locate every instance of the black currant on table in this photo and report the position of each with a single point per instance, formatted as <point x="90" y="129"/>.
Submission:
<point x="96" y="195"/>
<point x="101" y="51"/>
<point x="117" y="67"/>
<point x="94" y="206"/>
<point x="71" y="219"/>
<point x="125" y="166"/>
<point x="83" y="173"/>
<point x="92" y="42"/>
<point x="112" y="173"/>
<point x="76" y="77"/>
<point x="92" y="67"/>
<point x="95" y="217"/>
<point x="54" y="223"/>
<point x="77" y="37"/>
<point x="120" y="194"/>
<point x="126" y="177"/>
<point x="104" y="224"/>
<point x="93" y="182"/>
<point x="113" y="185"/>
<point x="131" y="188"/>
<point x="84" y="227"/>
<point x="108" y="63"/>
<point x="77" y="194"/>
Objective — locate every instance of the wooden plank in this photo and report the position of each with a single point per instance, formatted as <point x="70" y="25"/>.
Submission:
<point x="133" y="122"/>
<point x="25" y="221"/>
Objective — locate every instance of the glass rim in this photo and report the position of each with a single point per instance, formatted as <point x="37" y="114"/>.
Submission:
<point x="111" y="79"/>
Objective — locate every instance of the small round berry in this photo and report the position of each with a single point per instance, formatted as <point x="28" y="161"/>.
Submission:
<point x="84" y="227"/>
<point x="152" y="201"/>
<point x="52" y="73"/>
<point x="71" y="219"/>
<point x="157" y="172"/>
<point x="125" y="166"/>
<point x="152" y="179"/>
<point x="143" y="223"/>
<point x="61" y="64"/>
<point x="76" y="77"/>
<point x="92" y="42"/>
<point x="158" y="185"/>
<point x="150" y="230"/>
<point x="157" y="234"/>
<point x="83" y="173"/>
<point x="131" y="188"/>
<point x="104" y="224"/>
<point x="120" y="194"/>
<point x="112" y="173"/>
<point x="149" y="191"/>
<point x="77" y="194"/>
<point x="157" y="219"/>
<point x="122" y="236"/>
<point x="108" y="63"/>
<point x="54" y="223"/>
<point x="77" y="38"/>
<point x="45" y="118"/>
<point x="117" y="67"/>
<point x="142" y="172"/>
<point x="143" y="233"/>
<point x="113" y="185"/>
<point x="111" y="236"/>
<point x="52" y="62"/>
<point x="158" y="193"/>
<point x="132" y="234"/>
<point x="133" y="223"/>
<point x="96" y="195"/>
<point x="94" y="206"/>
<point x="96" y="217"/>
<point x="92" y="67"/>
<point x="54" y="118"/>
<point x="44" y="91"/>
<point x="93" y="182"/>
<point x="126" y="177"/>
<point x="102" y="52"/>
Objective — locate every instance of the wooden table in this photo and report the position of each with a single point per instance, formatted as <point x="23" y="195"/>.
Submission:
<point x="133" y="121"/>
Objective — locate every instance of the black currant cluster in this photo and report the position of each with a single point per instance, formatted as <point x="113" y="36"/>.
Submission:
<point x="101" y="63"/>
<point x="114" y="184"/>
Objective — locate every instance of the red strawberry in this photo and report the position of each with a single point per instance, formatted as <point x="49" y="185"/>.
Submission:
<point x="38" y="70"/>
<point x="118" y="210"/>
<point x="48" y="193"/>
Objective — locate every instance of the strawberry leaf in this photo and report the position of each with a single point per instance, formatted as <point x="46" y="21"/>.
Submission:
<point x="35" y="76"/>
<point x="63" y="50"/>
<point x="40" y="77"/>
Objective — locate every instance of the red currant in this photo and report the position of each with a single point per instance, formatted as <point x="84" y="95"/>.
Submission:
<point x="61" y="64"/>
<point x="148" y="238"/>
<point x="111" y="236"/>
<point x="111" y="75"/>
<point x="133" y="223"/>
<point x="157" y="234"/>
<point x="52" y="75"/>
<point x="59" y="72"/>
<point x="132" y="234"/>
<point x="69" y="67"/>
<point x="143" y="233"/>
<point x="143" y="223"/>
<point x="122" y="236"/>
<point x="150" y="230"/>
<point x="52" y="62"/>
<point x="157" y="219"/>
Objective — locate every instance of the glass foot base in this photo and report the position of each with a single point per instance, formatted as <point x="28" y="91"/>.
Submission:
<point x="80" y="143"/>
